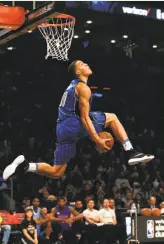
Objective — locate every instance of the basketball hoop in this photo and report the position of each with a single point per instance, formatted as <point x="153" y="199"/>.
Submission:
<point x="58" y="35"/>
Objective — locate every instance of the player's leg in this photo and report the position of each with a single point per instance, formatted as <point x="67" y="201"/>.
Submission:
<point x="134" y="158"/>
<point x="63" y="153"/>
<point x="113" y="122"/>
<point x="67" y="133"/>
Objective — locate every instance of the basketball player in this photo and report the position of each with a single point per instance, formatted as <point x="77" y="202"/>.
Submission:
<point x="75" y="120"/>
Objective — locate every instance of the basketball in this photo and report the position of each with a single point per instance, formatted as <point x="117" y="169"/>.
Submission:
<point x="106" y="135"/>
<point x="156" y="212"/>
<point x="146" y="212"/>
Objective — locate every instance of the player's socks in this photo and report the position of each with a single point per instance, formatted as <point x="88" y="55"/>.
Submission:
<point x="127" y="145"/>
<point x="32" y="167"/>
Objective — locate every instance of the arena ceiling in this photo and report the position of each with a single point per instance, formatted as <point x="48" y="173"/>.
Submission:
<point x="142" y="32"/>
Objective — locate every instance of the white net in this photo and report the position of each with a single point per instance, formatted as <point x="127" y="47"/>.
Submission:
<point x="58" y="35"/>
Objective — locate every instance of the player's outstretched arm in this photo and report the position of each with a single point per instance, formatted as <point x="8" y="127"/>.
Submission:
<point x="84" y="95"/>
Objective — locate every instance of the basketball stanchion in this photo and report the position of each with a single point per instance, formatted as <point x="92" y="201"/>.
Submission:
<point x="134" y="226"/>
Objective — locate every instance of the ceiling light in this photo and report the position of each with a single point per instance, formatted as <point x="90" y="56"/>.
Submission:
<point x="29" y="31"/>
<point x="10" y="48"/>
<point x="125" y="36"/>
<point x="87" y="31"/>
<point x="76" y="36"/>
<point x="89" y="21"/>
<point x="112" y="41"/>
<point x="65" y="28"/>
<point x="155" y="46"/>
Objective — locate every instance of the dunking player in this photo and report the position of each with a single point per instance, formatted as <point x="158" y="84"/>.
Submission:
<point x="75" y="120"/>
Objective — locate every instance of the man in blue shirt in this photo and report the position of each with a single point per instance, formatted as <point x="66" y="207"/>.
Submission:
<point x="76" y="120"/>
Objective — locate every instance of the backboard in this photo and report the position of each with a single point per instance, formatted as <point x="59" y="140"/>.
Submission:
<point x="37" y="13"/>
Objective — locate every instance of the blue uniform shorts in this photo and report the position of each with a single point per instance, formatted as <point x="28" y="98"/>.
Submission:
<point x="70" y="131"/>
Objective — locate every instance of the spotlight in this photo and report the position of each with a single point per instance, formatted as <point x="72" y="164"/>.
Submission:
<point x="125" y="36"/>
<point x="89" y="21"/>
<point x="87" y="31"/>
<point x="10" y="48"/>
<point x="155" y="46"/>
<point x="76" y="36"/>
<point x="112" y="41"/>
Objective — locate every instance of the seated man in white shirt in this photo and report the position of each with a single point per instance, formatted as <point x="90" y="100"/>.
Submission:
<point x="91" y="215"/>
<point x="108" y="217"/>
<point x="92" y="219"/>
<point x="106" y="214"/>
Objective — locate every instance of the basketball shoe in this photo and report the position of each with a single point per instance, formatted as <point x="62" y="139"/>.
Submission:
<point x="138" y="157"/>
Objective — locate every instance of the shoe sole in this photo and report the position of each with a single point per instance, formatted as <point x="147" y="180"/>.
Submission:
<point x="11" y="168"/>
<point x="143" y="160"/>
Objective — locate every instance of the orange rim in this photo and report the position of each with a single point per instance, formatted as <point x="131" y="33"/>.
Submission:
<point x="60" y="16"/>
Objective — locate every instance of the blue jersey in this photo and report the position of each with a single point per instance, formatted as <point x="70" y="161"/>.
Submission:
<point x="69" y="103"/>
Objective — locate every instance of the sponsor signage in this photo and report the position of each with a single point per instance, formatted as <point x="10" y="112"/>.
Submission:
<point x="160" y="14"/>
<point x="136" y="11"/>
<point x="118" y="8"/>
<point x="155" y="228"/>
<point x="151" y="229"/>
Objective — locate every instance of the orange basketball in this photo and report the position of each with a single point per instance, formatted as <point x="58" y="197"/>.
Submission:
<point x="146" y="212"/>
<point x="106" y="135"/>
<point x="156" y="212"/>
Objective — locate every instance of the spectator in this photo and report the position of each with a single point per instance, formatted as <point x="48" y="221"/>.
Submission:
<point x="25" y="203"/>
<point x="6" y="229"/>
<point x="79" y="206"/>
<point x="119" y="203"/>
<point x="128" y="200"/>
<point x="122" y="180"/>
<point x="28" y="227"/>
<point x="91" y="217"/>
<point x="160" y="195"/>
<point x="35" y="207"/>
<point x="44" y="223"/>
<point x="61" y="216"/>
<point x="162" y="208"/>
<point x="107" y="215"/>
<point x="3" y="186"/>
<point x="90" y="214"/>
<point x="151" y="202"/>
<point x="114" y="191"/>
<point x="139" y="201"/>
<point x="112" y="204"/>
<point x="136" y="188"/>
<point x="79" y="225"/>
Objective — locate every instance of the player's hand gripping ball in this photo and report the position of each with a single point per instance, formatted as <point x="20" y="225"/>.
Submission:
<point x="109" y="139"/>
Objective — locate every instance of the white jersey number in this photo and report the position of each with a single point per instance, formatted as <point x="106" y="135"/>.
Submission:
<point x="63" y="100"/>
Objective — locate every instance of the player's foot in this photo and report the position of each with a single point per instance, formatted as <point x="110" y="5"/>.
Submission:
<point x="136" y="158"/>
<point x="18" y="166"/>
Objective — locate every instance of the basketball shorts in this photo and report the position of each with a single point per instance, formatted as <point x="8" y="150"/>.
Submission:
<point x="70" y="131"/>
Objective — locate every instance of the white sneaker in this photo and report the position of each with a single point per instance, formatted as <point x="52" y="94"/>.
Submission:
<point x="11" y="168"/>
